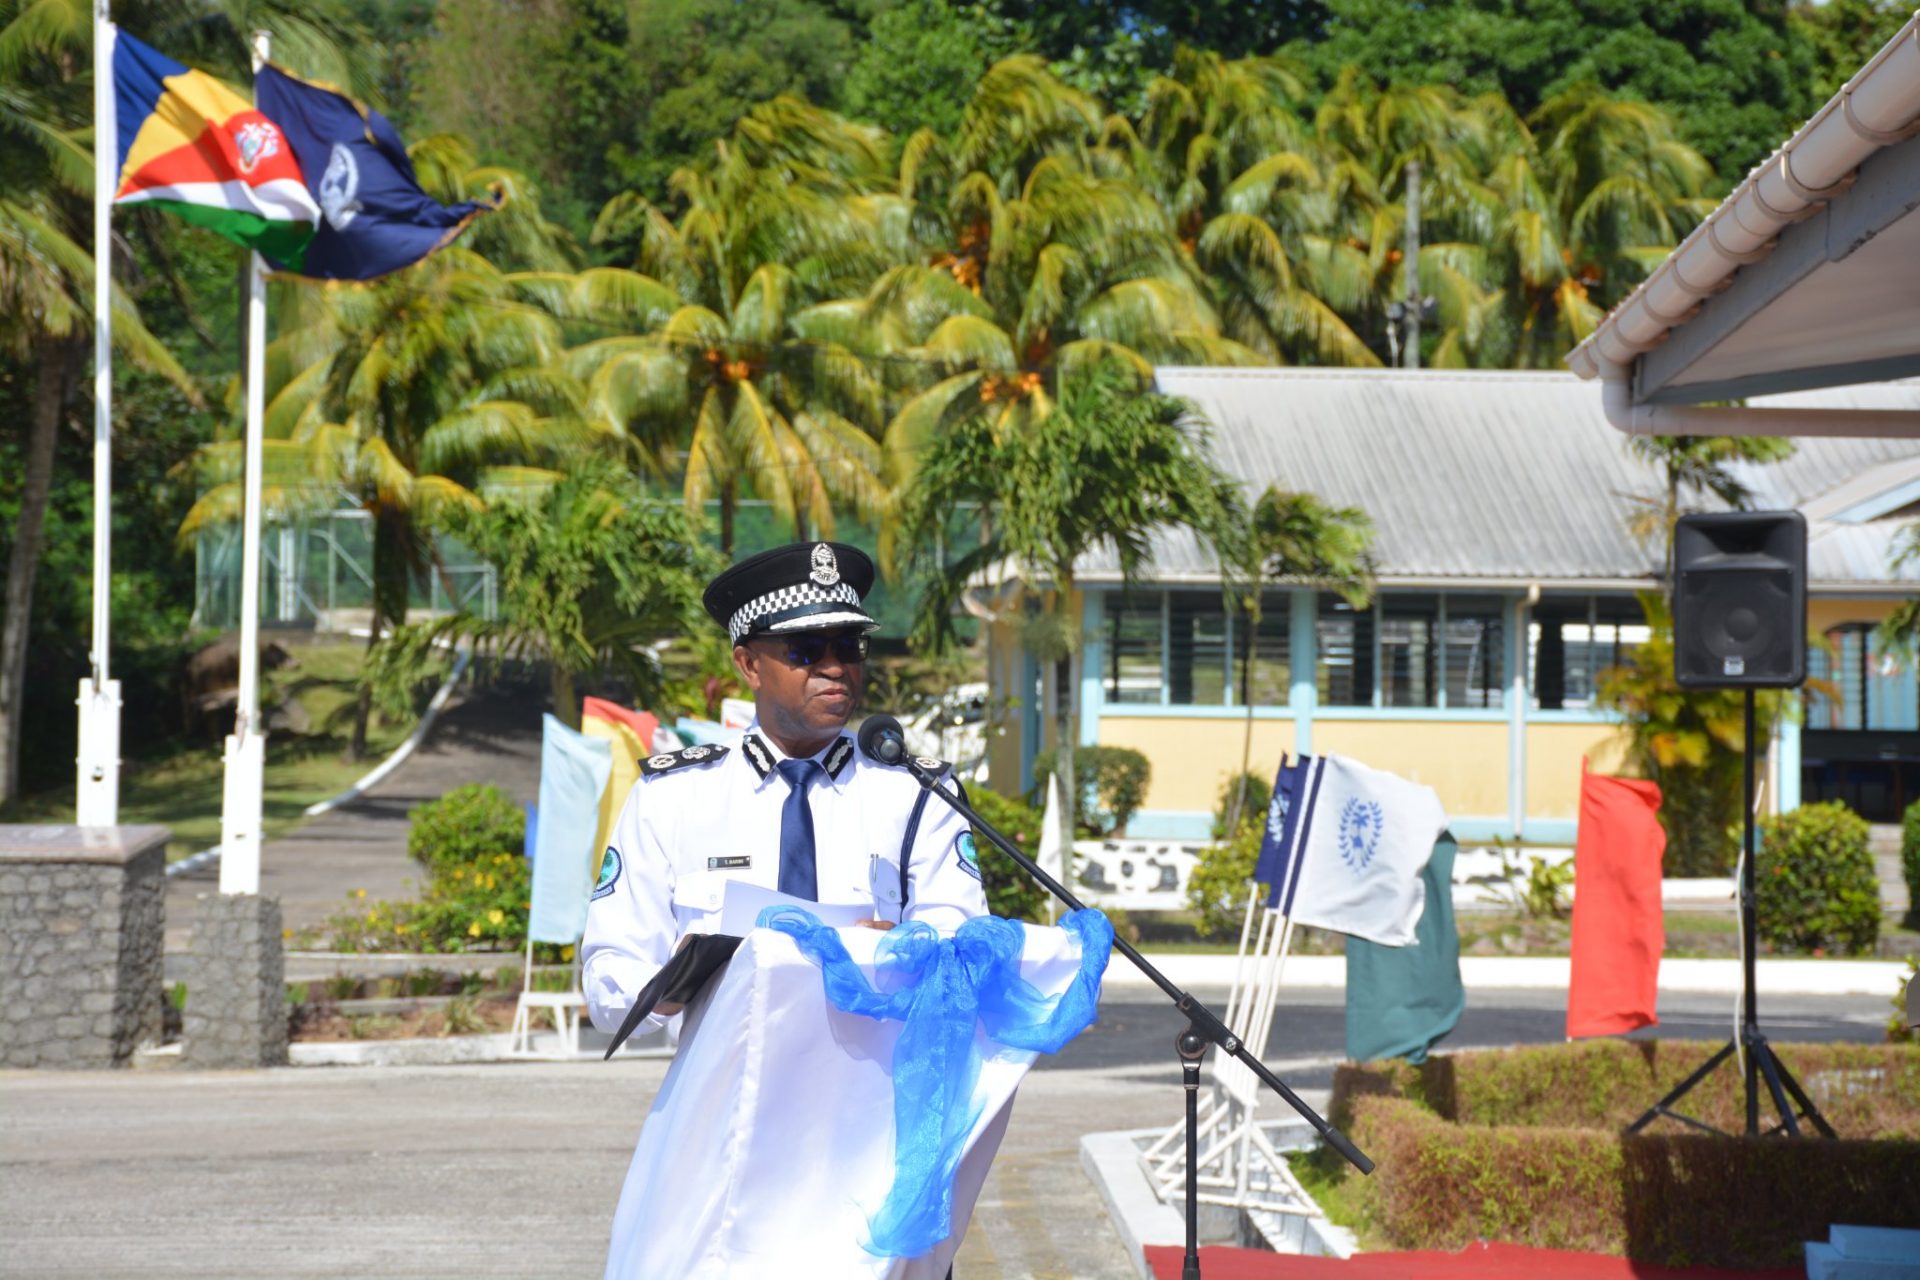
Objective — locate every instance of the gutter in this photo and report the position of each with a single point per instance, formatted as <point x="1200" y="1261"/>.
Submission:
<point x="1616" y="400"/>
<point x="1878" y="108"/>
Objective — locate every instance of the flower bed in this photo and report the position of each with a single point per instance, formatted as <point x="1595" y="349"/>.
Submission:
<point x="1527" y="1146"/>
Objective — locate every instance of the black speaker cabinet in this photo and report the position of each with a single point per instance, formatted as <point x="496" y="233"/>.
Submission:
<point x="1740" y="600"/>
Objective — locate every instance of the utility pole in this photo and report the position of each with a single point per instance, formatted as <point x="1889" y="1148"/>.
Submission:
<point x="1412" y="263"/>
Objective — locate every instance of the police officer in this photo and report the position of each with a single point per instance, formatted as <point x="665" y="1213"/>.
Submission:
<point x="795" y="807"/>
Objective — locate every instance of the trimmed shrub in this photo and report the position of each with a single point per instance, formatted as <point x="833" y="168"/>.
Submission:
<point x="1526" y="1145"/>
<point x="1815" y="880"/>
<point x="1010" y="891"/>
<point x="464" y="826"/>
<point x="1217" y="886"/>
<point x="1112" y="781"/>
<point x="1910" y="856"/>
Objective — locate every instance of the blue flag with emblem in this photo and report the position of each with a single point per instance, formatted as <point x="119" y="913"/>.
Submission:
<point x="1354" y="844"/>
<point x="573" y="772"/>
<point x="1269" y="867"/>
<point x="374" y="217"/>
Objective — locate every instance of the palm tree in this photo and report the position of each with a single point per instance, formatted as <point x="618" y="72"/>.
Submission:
<point x="591" y="573"/>
<point x="1222" y="146"/>
<point x="1701" y="464"/>
<point x="1114" y="465"/>
<point x="744" y="376"/>
<point x="1295" y="538"/>
<point x="1034" y="265"/>
<point x="46" y="291"/>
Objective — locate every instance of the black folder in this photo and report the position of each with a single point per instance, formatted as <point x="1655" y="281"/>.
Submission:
<point x="679" y="980"/>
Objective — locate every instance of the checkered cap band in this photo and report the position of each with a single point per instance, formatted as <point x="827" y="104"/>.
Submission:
<point x="785" y="598"/>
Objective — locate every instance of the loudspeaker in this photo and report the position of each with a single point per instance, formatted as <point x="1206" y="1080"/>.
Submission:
<point x="1740" y="600"/>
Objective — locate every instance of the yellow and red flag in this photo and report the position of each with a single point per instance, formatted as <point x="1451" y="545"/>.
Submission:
<point x="631" y="733"/>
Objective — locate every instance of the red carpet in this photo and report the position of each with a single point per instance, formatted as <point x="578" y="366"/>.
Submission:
<point x="1481" y="1261"/>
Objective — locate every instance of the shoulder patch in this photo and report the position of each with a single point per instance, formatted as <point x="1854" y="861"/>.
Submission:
<point x="609" y="874"/>
<point x="968" y="852"/>
<point x="686" y="757"/>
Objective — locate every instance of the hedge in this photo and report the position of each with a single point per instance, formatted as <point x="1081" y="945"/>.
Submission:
<point x="1526" y="1145"/>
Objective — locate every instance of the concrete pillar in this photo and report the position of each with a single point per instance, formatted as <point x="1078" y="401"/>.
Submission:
<point x="236" y="985"/>
<point x="82" y="941"/>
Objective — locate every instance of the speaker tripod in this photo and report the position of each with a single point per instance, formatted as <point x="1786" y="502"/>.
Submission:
<point x="1761" y="1061"/>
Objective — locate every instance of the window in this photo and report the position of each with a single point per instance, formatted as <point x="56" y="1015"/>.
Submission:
<point x="1875" y="690"/>
<point x="1270" y="670"/>
<point x="1196" y="649"/>
<point x="1408" y="650"/>
<point x="1134" y="647"/>
<point x="1343" y="661"/>
<point x="1572" y="639"/>
<point x="1473" y="651"/>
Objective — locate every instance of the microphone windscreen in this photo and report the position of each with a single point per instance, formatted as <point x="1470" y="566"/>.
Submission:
<point x="882" y="738"/>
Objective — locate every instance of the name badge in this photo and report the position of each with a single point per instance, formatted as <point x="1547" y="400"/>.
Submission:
<point x="729" y="864"/>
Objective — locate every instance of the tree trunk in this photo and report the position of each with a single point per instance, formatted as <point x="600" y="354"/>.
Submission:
<point x="566" y="707"/>
<point x="57" y="360"/>
<point x="1068" y="732"/>
<point x="1246" y="738"/>
<point x="392" y="573"/>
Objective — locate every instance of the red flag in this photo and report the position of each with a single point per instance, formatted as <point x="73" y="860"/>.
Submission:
<point x="1618" y="932"/>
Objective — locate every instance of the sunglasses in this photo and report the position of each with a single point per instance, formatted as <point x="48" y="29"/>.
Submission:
<point x="804" y="651"/>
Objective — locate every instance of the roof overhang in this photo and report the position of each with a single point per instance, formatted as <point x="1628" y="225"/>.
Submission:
<point x="1806" y="276"/>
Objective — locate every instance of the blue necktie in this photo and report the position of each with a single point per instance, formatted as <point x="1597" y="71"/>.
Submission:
<point x="797" y="876"/>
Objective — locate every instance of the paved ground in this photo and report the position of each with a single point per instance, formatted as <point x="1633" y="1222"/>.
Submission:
<point x="485" y="736"/>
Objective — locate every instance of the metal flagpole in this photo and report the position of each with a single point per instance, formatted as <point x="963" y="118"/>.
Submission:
<point x="97" y="787"/>
<point x="246" y="753"/>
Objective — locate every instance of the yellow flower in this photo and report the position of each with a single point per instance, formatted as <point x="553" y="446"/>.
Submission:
<point x="473" y="930"/>
<point x="359" y="893"/>
<point x="566" y="952"/>
<point x="497" y="916"/>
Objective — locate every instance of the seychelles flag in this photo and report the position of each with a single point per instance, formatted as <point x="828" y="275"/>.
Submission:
<point x="374" y="216"/>
<point x="189" y="143"/>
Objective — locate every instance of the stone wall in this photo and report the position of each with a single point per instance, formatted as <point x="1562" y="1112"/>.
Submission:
<point x="82" y="915"/>
<point x="236" y="985"/>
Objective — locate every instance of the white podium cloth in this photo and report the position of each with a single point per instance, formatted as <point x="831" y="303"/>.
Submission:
<point x="770" y="1144"/>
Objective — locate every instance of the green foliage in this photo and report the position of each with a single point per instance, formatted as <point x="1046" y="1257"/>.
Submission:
<point x="1011" y="892"/>
<point x="1815" y="884"/>
<point x="1251" y="795"/>
<point x="916" y="68"/>
<point x="592" y="572"/>
<point x="1217" y="887"/>
<point x="1910" y="855"/>
<point x="1112" y="783"/>
<point x="465" y="826"/>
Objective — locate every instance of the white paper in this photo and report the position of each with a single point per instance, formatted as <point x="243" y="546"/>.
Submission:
<point x="742" y="904"/>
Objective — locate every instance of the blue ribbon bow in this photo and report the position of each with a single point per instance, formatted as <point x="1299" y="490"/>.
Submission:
<point x="940" y="989"/>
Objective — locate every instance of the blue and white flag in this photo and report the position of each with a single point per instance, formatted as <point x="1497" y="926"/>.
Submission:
<point x="573" y="772"/>
<point x="374" y="218"/>
<point x="1354" y="843"/>
<point x="1269" y="867"/>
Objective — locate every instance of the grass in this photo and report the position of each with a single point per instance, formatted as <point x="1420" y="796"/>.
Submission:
<point x="177" y="783"/>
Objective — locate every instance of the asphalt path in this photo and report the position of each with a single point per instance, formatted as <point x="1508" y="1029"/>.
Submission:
<point x="1309" y="1028"/>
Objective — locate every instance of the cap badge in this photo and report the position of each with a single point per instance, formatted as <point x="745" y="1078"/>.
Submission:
<point x="826" y="570"/>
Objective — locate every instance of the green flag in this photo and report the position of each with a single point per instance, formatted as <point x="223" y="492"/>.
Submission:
<point x="1402" y="1000"/>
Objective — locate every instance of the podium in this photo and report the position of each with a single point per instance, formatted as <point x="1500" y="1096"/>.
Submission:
<point x="771" y="1142"/>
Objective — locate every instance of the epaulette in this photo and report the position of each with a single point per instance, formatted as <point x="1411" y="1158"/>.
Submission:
<point x="685" y="758"/>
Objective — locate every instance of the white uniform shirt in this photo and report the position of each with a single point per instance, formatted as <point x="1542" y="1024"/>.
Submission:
<point x="701" y="817"/>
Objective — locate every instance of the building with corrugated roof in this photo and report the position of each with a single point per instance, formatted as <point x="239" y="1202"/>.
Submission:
<point x="1507" y="579"/>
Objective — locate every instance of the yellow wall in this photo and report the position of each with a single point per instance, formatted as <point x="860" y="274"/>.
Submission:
<point x="1466" y="763"/>
<point x="1824" y="614"/>
<point x="1192" y="759"/>
<point x="1553" y="764"/>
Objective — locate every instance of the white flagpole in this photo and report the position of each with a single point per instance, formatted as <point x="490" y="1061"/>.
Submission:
<point x="97" y="786"/>
<point x="246" y="753"/>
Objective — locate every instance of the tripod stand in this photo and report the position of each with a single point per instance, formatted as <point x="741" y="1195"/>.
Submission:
<point x="1204" y="1027"/>
<point x="1760" y="1057"/>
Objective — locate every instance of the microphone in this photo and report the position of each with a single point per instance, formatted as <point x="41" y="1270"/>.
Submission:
<point x="882" y="738"/>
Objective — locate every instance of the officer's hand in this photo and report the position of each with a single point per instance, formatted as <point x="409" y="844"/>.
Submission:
<point x="881" y="925"/>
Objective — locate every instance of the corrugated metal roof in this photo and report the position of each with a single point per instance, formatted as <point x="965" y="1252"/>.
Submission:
<point x="1480" y="476"/>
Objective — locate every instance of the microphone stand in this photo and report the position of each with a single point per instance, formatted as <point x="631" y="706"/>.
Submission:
<point x="1204" y="1027"/>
